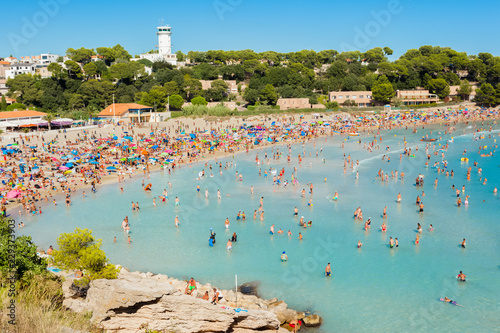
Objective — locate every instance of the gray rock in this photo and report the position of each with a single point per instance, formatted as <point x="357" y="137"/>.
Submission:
<point x="312" y="320"/>
<point x="131" y="293"/>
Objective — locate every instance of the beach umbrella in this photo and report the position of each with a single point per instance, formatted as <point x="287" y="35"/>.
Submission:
<point x="63" y="168"/>
<point x="112" y="168"/>
<point x="13" y="194"/>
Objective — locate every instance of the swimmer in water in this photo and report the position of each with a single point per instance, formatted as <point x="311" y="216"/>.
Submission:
<point x="359" y="244"/>
<point x="328" y="270"/>
<point x="284" y="257"/>
<point x="229" y="245"/>
<point x="391" y="242"/>
<point x="461" y="276"/>
<point x="462" y="244"/>
<point x="431" y="228"/>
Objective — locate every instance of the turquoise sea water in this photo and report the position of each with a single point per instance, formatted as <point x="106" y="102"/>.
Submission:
<point x="373" y="289"/>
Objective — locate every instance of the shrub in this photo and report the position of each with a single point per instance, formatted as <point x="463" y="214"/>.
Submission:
<point x="81" y="251"/>
<point x="26" y="261"/>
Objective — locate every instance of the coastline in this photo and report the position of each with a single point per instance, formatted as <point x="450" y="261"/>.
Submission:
<point x="212" y="157"/>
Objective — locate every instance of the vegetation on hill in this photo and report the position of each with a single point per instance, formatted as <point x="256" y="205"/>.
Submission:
<point x="81" y="87"/>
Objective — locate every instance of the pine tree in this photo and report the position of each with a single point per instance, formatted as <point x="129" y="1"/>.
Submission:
<point x="3" y="104"/>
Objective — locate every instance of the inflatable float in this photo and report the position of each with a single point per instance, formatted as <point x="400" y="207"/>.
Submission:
<point x="354" y="134"/>
<point x="148" y="187"/>
<point x="428" y="140"/>
<point x="464" y="159"/>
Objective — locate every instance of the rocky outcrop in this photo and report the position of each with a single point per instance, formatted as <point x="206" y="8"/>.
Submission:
<point x="138" y="301"/>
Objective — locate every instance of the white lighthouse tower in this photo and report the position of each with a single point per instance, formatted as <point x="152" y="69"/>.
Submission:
<point x="164" y="40"/>
<point x="164" y="46"/>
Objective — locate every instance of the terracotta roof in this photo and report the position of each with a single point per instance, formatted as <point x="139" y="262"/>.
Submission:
<point x="4" y="63"/>
<point x="121" y="108"/>
<point x="20" y="114"/>
<point x="13" y="100"/>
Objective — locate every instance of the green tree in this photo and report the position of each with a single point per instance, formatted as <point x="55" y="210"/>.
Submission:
<point x="155" y="97"/>
<point x="382" y="90"/>
<point x="90" y="70"/>
<point x="464" y="89"/>
<point x="252" y="95"/>
<point x="269" y="95"/>
<point x="107" y="53"/>
<point x="387" y="51"/>
<point x="56" y="70"/>
<point x="199" y="100"/>
<point x="192" y="86"/>
<point x="332" y="105"/>
<point x="146" y="62"/>
<point x="74" y="69"/>
<point x="81" y="251"/>
<point x="338" y="69"/>
<point x="127" y="71"/>
<point x="25" y="259"/>
<point x="81" y="55"/>
<point x="49" y="117"/>
<point x="180" y="56"/>
<point x="16" y="106"/>
<point x="120" y="53"/>
<point x="76" y="101"/>
<point x="3" y="104"/>
<point x="439" y="87"/>
<point x="176" y="101"/>
<point x="171" y="88"/>
<point x="486" y="94"/>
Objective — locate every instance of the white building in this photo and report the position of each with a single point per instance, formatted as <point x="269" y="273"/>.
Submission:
<point x="16" y="69"/>
<point x="43" y="59"/>
<point x="164" y="46"/>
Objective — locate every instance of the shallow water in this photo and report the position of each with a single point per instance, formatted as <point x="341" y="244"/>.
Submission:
<point x="372" y="289"/>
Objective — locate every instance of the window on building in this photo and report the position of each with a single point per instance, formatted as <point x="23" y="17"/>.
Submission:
<point x="347" y="96"/>
<point x="353" y="97"/>
<point x="340" y="96"/>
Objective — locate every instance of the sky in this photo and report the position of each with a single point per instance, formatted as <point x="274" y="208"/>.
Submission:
<point x="55" y="25"/>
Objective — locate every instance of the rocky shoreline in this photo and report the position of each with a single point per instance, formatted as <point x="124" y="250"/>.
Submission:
<point x="136" y="302"/>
